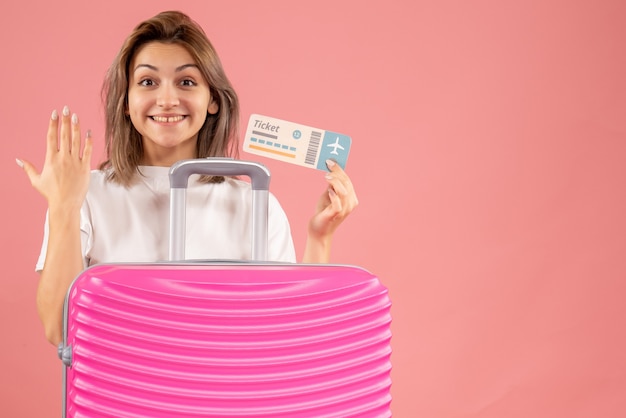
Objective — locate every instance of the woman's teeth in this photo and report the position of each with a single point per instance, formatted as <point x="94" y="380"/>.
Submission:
<point x="170" y="119"/>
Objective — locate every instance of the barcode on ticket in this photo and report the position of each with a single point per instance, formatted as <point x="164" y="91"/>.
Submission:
<point x="314" y="146"/>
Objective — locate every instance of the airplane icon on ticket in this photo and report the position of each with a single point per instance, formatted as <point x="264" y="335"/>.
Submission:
<point x="335" y="146"/>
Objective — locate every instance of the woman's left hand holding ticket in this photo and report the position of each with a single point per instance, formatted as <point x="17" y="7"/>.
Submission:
<point x="335" y="204"/>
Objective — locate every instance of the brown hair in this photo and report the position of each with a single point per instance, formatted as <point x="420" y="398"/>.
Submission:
<point x="218" y="135"/>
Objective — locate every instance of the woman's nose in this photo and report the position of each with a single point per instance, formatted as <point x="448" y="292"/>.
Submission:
<point x="167" y="96"/>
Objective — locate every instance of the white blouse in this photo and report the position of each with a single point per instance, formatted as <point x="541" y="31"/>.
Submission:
<point x="130" y="224"/>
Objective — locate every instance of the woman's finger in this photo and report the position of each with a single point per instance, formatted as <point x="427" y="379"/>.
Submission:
<point x="52" y="140"/>
<point x="88" y="150"/>
<point x="337" y="184"/>
<point x="336" y="205"/>
<point x="338" y="173"/>
<point x="75" y="128"/>
<point x="66" y="134"/>
<point x="341" y="183"/>
<point x="30" y="170"/>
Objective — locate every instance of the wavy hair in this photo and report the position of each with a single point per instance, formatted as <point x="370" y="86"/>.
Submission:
<point x="218" y="135"/>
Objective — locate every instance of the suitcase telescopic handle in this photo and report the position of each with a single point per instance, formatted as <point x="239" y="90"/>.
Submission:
<point x="179" y="177"/>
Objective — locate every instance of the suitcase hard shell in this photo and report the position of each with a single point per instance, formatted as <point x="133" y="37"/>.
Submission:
<point x="226" y="339"/>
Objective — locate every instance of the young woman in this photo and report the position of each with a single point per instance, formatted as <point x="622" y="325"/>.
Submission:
<point x="167" y="98"/>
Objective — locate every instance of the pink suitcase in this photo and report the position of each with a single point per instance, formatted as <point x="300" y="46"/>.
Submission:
<point x="226" y="339"/>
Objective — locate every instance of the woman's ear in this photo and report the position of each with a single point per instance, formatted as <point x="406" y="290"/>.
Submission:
<point x="213" y="107"/>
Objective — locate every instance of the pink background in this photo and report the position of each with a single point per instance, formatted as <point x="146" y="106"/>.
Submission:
<point x="489" y="140"/>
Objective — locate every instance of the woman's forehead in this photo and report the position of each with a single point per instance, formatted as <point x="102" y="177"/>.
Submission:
<point x="162" y="56"/>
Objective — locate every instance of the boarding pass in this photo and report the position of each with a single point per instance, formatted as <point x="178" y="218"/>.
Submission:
<point x="295" y="143"/>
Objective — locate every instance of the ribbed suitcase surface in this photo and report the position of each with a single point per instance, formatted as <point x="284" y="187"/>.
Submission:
<point x="228" y="340"/>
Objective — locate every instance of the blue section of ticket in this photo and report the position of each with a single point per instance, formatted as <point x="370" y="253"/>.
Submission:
<point x="335" y="147"/>
<point x="294" y="143"/>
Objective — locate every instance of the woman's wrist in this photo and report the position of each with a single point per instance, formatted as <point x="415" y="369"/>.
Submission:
<point x="317" y="249"/>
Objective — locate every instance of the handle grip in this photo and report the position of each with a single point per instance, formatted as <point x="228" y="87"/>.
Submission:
<point x="179" y="179"/>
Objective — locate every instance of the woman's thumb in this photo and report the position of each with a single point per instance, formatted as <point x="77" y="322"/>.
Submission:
<point x="30" y="170"/>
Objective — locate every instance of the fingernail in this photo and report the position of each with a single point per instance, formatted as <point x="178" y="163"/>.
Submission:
<point x="328" y="176"/>
<point x="88" y="133"/>
<point x="332" y="192"/>
<point x="330" y="163"/>
<point x="75" y="119"/>
<point x="66" y="111"/>
<point x="19" y="162"/>
<point x="55" y="115"/>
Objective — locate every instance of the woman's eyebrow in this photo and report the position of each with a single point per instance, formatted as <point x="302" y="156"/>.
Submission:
<point x="182" y="67"/>
<point x="153" y="68"/>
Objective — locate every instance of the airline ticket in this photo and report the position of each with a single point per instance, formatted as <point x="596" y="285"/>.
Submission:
<point x="294" y="143"/>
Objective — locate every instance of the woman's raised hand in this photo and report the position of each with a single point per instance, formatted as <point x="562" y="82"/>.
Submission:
<point x="64" y="179"/>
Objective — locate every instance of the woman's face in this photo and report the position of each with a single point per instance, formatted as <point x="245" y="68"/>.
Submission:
<point x="168" y="102"/>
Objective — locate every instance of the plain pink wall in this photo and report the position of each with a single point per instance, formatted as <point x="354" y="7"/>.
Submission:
<point x="489" y="140"/>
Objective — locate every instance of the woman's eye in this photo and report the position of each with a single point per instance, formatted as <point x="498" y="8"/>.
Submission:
<point x="146" y="82"/>
<point x="188" y="83"/>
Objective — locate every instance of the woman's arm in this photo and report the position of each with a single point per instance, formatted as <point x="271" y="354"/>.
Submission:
<point x="64" y="261"/>
<point x="335" y="204"/>
<point x="63" y="181"/>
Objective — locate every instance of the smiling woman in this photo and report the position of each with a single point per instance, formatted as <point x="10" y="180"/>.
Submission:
<point x="166" y="56"/>
<point x="166" y="99"/>
<point x="168" y="102"/>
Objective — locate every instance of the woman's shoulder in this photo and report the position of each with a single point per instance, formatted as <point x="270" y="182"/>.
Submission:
<point x="102" y="182"/>
<point x="99" y="177"/>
